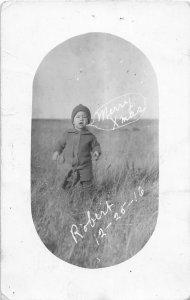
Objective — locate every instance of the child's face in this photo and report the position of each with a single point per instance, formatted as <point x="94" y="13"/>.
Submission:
<point x="80" y="120"/>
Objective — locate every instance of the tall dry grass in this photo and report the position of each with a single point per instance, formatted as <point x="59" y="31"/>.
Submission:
<point x="129" y="160"/>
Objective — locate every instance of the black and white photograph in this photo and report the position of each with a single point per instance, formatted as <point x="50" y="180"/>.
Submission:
<point x="95" y="150"/>
<point x="94" y="159"/>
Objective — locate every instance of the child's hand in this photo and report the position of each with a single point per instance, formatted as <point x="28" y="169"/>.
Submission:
<point x="95" y="155"/>
<point x="55" y="155"/>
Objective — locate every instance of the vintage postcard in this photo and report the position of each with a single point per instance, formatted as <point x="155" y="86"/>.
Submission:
<point x="95" y="150"/>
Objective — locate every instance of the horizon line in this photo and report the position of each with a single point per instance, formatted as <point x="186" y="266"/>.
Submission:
<point x="61" y="119"/>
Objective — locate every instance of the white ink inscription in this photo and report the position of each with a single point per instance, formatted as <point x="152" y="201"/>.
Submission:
<point x="90" y="222"/>
<point x="93" y="221"/>
<point x="120" y="112"/>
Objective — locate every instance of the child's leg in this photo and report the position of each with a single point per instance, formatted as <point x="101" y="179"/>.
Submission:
<point x="82" y="202"/>
<point x="84" y="199"/>
<point x="87" y="186"/>
<point x="87" y="192"/>
<point x="66" y="182"/>
<point x="71" y="179"/>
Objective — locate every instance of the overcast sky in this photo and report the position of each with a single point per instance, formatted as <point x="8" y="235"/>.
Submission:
<point x="92" y="69"/>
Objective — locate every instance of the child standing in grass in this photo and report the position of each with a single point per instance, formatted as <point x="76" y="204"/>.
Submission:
<point x="79" y="147"/>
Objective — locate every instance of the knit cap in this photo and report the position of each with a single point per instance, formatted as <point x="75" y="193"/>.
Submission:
<point x="83" y="108"/>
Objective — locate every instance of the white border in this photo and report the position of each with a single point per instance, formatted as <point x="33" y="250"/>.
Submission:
<point x="161" y="31"/>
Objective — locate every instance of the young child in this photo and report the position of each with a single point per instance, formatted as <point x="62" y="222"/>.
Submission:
<point x="79" y="147"/>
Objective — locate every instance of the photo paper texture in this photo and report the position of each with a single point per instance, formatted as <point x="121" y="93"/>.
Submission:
<point x="150" y="258"/>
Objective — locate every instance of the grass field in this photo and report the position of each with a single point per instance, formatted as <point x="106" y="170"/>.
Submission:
<point x="125" y="207"/>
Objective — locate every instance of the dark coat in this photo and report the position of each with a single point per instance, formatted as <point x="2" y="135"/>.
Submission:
<point x="77" y="147"/>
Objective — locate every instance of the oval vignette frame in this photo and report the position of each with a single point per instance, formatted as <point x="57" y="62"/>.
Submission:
<point x="97" y="69"/>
